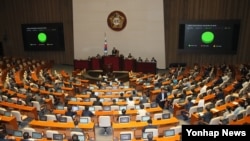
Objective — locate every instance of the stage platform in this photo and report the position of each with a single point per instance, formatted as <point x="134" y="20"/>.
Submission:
<point x="93" y="75"/>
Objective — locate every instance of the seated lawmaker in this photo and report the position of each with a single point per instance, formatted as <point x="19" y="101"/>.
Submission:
<point x="86" y="112"/>
<point x="69" y="112"/>
<point x="206" y="118"/>
<point x="149" y="126"/>
<point x="187" y="105"/>
<point x="97" y="102"/>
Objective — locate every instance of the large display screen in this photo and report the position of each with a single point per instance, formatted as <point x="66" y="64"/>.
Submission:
<point x="209" y="36"/>
<point x="43" y="37"/>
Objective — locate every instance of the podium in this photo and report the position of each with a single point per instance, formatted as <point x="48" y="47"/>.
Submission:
<point x="81" y="64"/>
<point x="129" y="64"/>
<point x="146" y="67"/>
<point x="96" y="63"/>
<point x="114" y="61"/>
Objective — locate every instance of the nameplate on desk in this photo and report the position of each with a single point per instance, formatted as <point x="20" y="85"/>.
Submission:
<point x="235" y="103"/>
<point x="214" y="110"/>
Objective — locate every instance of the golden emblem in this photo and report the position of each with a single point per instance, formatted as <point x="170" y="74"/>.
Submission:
<point x="117" y="20"/>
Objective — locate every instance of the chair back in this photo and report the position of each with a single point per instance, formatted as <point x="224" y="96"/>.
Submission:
<point x="104" y="121"/>
<point x="155" y="132"/>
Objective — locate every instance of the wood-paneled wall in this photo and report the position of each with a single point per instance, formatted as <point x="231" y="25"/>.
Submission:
<point x="178" y="10"/>
<point x="15" y="12"/>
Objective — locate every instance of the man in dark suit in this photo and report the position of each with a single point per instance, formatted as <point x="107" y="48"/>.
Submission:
<point x="25" y="137"/>
<point x="208" y="115"/>
<point x="149" y="126"/>
<point x="219" y="94"/>
<point x="161" y="98"/>
<point x="86" y="112"/>
<point x="114" y="51"/>
<point x="97" y="102"/>
<point x="69" y="112"/>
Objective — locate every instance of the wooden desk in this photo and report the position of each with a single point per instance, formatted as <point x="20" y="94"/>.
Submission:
<point x="43" y="139"/>
<point x="129" y="64"/>
<point x="9" y="122"/>
<point x="146" y="67"/>
<point x="113" y="90"/>
<point x="68" y="90"/>
<point x="61" y="96"/>
<point x="104" y="95"/>
<point x="178" y="108"/>
<point x="42" y="126"/>
<point x="136" y="127"/>
<point x="90" y="103"/>
<point x="81" y="64"/>
<point x="171" y="138"/>
<point x="216" y="111"/>
<point x="88" y="128"/>
<point x="246" y="119"/>
<point x="228" y="89"/>
<point x="29" y="110"/>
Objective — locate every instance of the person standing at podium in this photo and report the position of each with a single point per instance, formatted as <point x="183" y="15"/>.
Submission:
<point x="114" y="51"/>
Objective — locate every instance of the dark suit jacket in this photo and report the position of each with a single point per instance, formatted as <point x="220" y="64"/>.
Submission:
<point x="159" y="97"/>
<point x="148" y="127"/>
<point x="97" y="103"/>
<point x="70" y="113"/>
<point x="87" y="113"/>
<point x="207" y="116"/>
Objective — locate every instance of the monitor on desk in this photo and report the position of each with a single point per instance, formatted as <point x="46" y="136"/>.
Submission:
<point x="106" y="108"/>
<point x="18" y="133"/>
<point x="153" y="105"/>
<point x="62" y="119"/>
<point x="225" y="121"/>
<point x="19" y="102"/>
<point x="86" y="99"/>
<point x="137" y="107"/>
<point x="75" y="108"/>
<point x="43" y="118"/>
<point x="73" y="99"/>
<point x="170" y="132"/>
<point x="60" y="107"/>
<point x="145" y="118"/>
<point x="122" y="107"/>
<point x="125" y="137"/>
<point x="101" y="100"/>
<point x="81" y="137"/>
<point x="7" y="113"/>
<point x="200" y="109"/>
<point x="182" y="100"/>
<point x="84" y="120"/>
<point x="58" y="137"/>
<point x="232" y="98"/>
<point x="96" y="93"/>
<point x="124" y="119"/>
<point x="36" y="135"/>
<point x="240" y="116"/>
<point x="91" y="108"/>
<point x="109" y="93"/>
<point x="145" y="135"/>
<point x="91" y="88"/>
<point x="166" y="116"/>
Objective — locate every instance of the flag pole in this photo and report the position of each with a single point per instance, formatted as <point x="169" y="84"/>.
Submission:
<point x="105" y="45"/>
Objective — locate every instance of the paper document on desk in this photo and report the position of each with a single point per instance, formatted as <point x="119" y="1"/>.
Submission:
<point x="201" y="114"/>
<point x="235" y="103"/>
<point x="193" y="101"/>
<point x="215" y="110"/>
